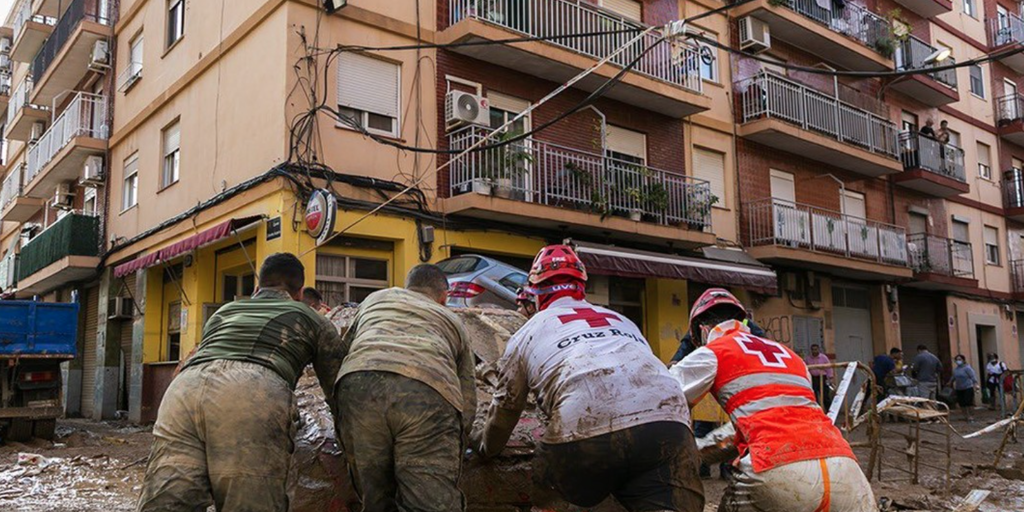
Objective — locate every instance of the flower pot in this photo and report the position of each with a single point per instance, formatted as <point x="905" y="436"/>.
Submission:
<point x="636" y="215"/>
<point x="504" y="188"/>
<point x="482" y="187"/>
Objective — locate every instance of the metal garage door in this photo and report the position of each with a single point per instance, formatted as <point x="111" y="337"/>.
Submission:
<point x="89" y="355"/>
<point x="851" y="322"/>
<point x="918" y="323"/>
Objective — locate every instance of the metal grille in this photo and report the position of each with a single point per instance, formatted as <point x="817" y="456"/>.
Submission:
<point x="940" y="255"/>
<point x="921" y="152"/>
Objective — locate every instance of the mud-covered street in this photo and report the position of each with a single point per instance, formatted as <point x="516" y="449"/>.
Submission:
<point x="99" y="466"/>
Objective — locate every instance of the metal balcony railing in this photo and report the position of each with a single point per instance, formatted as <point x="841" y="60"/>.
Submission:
<point x="129" y="75"/>
<point x="78" y="10"/>
<point x="25" y="15"/>
<point x="1017" y="275"/>
<point x="5" y="83"/>
<point x="940" y="255"/>
<point x="86" y="116"/>
<point x="1007" y="30"/>
<point x="1013" y="188"/>
<point x="853" y="20"/>
<point x="921" y="152"/>
<point x="912" y="53"/>
<point x="73" y="234"/>
<point x="19" y="99"/>
<point x="673" y="63"/>
<point x="1009" y="108"/>
<point x="539" y="172"/>
<point x="11" y="188"/>
<point x="783" y="223"/>
<point x="771" y="96"/>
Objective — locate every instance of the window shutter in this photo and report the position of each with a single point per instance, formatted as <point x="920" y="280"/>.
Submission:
<point x="368" y="84"/>
<point x="172" y="138"/>
<point x="783" y="186"/>
<point x="627" y="142"/>
<point x="629" y="8"/>
<point x="131" y="165"/>
<point x="983" y="153"/>
<point x="991" y="236"/>
<point x="710" y="166"/>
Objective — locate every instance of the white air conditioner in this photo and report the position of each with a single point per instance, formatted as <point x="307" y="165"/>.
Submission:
<point x="754" y="35"/>
<point x="5" y="45"/>
<point x="63" y="198"/>
<point x="92" y="171"/>
<point x="120" y="308"/>
<point x="5" y="61"/>
<point x="38" y="129"/>
<point x="462" y="108"/>
<point x="100" y="58"/>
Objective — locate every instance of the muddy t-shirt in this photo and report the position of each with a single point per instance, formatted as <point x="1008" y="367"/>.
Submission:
<point x="592" y="372"/>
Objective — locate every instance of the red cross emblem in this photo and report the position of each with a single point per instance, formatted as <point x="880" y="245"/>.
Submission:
<point x="592" y="317"/>
<point x="769" y="352"/>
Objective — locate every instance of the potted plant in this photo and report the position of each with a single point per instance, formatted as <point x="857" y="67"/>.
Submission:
<point x="657" y="198"/>
<point x="501" y="166"/>
<point x="698" y="209"/>
<point x="639" y="197"/>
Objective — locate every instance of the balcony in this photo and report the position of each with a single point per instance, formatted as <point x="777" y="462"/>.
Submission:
<point x="931" y="167"/>
<point x="933" y="89"/>
<point x="804" y="24"/>
<point x="1010" y="118"/>
<point x="1013" y="194"/>
<point x="58" y="156"/>
<point x="66" y="56"/>
<point x="666" y="79"/>
<point x="790" y="116"/>
<point x="941" y="263"/>
<point x="67" y="251"/>
<point x="30" y="31"/>
<point x="927" y="8"/>
<point x="540" y="184"/>
<point x="1017" y="278"/>
<point x="50" y="8"/>
<point x="818" y="239"/>
<point x="1006" y="35"/>
<point x="15" y="206"/>
<point x="22" y="114"/>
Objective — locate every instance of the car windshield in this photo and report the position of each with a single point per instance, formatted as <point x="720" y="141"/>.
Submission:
<point x="461" y="265"/>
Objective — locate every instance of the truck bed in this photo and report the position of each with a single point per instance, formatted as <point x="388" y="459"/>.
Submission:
<point x="38" y="329"/>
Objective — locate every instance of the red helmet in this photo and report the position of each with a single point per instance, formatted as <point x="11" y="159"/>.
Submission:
<point x="556" y="260"/>
<point x="713" y="298"/>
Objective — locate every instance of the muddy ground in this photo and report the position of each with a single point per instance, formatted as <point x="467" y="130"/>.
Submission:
<point x="99" y="466"/>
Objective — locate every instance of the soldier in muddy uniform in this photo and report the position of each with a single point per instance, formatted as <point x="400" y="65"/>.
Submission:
<point x="617" y="422"/>
<point x="406" y="397"/>
<point x="224" y="429"/>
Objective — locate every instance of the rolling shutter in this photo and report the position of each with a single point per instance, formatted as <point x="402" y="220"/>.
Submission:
<point x="89" y="359"/>
<point x="918" y="322"/>
<point x="368" y="84"/>
<point x="629" y="8"/>
<point x="710" y="165"/>
<point x="627" y="142"/>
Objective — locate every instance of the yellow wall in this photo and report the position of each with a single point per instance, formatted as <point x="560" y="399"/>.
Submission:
<point x="666" y="313"/>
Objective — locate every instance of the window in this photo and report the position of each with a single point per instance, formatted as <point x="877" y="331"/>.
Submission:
<point x="854" y="205"/>
<point x="368" y="93"/>
<point x="984" y="165"/>
<point x="175" y="21"/>
<point x="918" y="223"/>
<point x="991" y="245"/>
<point x="89" y="206"/>
<point x="344" y="279"/>
<point x="514" y="281"/>
<point x="505" y="108"/>
<point x="977" y="81"/>
<point x="628" y="8"/>
<point x="134" y="70"/>
<point x="172" y="155"/>
<point x="173" y="331"/>
<point x="954" y="139"/>
<point x="130" y="192"/>
<point x="783" y="186"/>
<point x="626" y="145"/>
<point x="238" y="286"/>
<point x="970" y="9"/>
<point x="710" y="165"/>
<point x="707" y="57"/>
<point x="908" y="122"/>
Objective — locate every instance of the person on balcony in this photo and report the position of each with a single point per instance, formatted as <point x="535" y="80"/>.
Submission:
<point x="927" y="130"/>
<point x="943" y="134"/>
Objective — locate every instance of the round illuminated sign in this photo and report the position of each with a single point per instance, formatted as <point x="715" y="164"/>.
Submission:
<point x="321" y="211"/>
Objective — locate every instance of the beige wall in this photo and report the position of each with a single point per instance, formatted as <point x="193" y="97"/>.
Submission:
<point x="966" y="315"/>
<point x="973" y="27"/>
<point x="974" y="106"/>
<point x="991" y="277"/>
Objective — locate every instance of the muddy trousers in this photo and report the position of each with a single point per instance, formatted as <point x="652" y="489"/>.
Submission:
<point x="835" y="484"/>
<point x="403" y="443"/>
<point x="649" y="467"/>
<point x="223" y="435"/>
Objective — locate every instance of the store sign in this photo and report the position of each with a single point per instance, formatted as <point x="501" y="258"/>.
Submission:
<point x="274" y="228"/>
<point x="321" y="212"/>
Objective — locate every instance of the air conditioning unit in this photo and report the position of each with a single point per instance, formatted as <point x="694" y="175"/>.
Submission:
<point x="63" y="198"/>
<point x="120" y="308"/>
<point x="754" y="35"/>
<point x="5" y="45"/>
<point x="38" y="129"/>
<point x="92" y="171"/>
<point x="99" y="59"/>
<point x="462" y="108"/>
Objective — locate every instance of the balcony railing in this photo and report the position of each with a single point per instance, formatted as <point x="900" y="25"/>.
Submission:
<point x="1009" y="108"/>
<point x="771" y="96"/>
<point x="86" y="116"/>
<point x="922" y="152"/>
<point x="19" y="99"/>
<point x="72" y="235"/>
<point x="784" y="223"/>
<point x="1017" y="275"/>
<point x="129" y="75"/>
<point x="25" y="15"/>
<point x="939" y="255"/>
<point x="912" y="53"/>
<point x="1013" y="188"/>
<point x="11" y="189"/>
<point x="1005" y="30"/>
<point x="543" y="173"/>
<point x="852" y="20"/>
<point x="5" y="83"/>
<point x="78" y="10"/>
<point x="665" y="61"/>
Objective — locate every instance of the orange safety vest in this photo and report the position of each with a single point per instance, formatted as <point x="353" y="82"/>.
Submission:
<point x="764" y="388"/>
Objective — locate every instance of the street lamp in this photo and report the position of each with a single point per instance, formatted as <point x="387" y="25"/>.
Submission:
<point x="938" y="56"/>
<point x="334" y="5"/>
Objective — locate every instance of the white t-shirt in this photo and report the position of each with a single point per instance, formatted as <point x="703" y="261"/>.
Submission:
<point x="592" y="372"/>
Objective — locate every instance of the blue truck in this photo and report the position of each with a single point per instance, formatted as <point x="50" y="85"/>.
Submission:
<point x="35" y="338"/>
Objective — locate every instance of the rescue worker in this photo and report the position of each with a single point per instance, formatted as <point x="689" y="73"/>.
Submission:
<point x="406" y="396"/>
<point x="792" y="458"/>
<point x="225" y="425"/>
<point x="617" y="422"/>
<point x="312" y="298"/>
<point x="524" y="303"/>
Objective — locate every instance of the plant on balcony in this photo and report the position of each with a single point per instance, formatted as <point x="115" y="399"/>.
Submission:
<point x="899" y="25"/>
<point x="651" y="198"/>
<point x="885" y="45"/>
<point x="504" y="165"/>
<point x="698" y="209"/>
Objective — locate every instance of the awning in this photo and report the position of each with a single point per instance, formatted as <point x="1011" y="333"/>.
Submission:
<point x="616" y="261"/>
<point x="177" y="249"/>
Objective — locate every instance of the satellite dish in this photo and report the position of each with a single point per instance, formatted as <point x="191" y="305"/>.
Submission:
<point x="468" y="107"/>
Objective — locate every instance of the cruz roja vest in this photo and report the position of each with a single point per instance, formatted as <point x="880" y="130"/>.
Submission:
<point x="766" y="390"/>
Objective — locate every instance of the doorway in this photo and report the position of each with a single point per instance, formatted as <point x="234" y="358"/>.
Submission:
<point x="985" y="338"/>
<point x="851" y="315"/>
